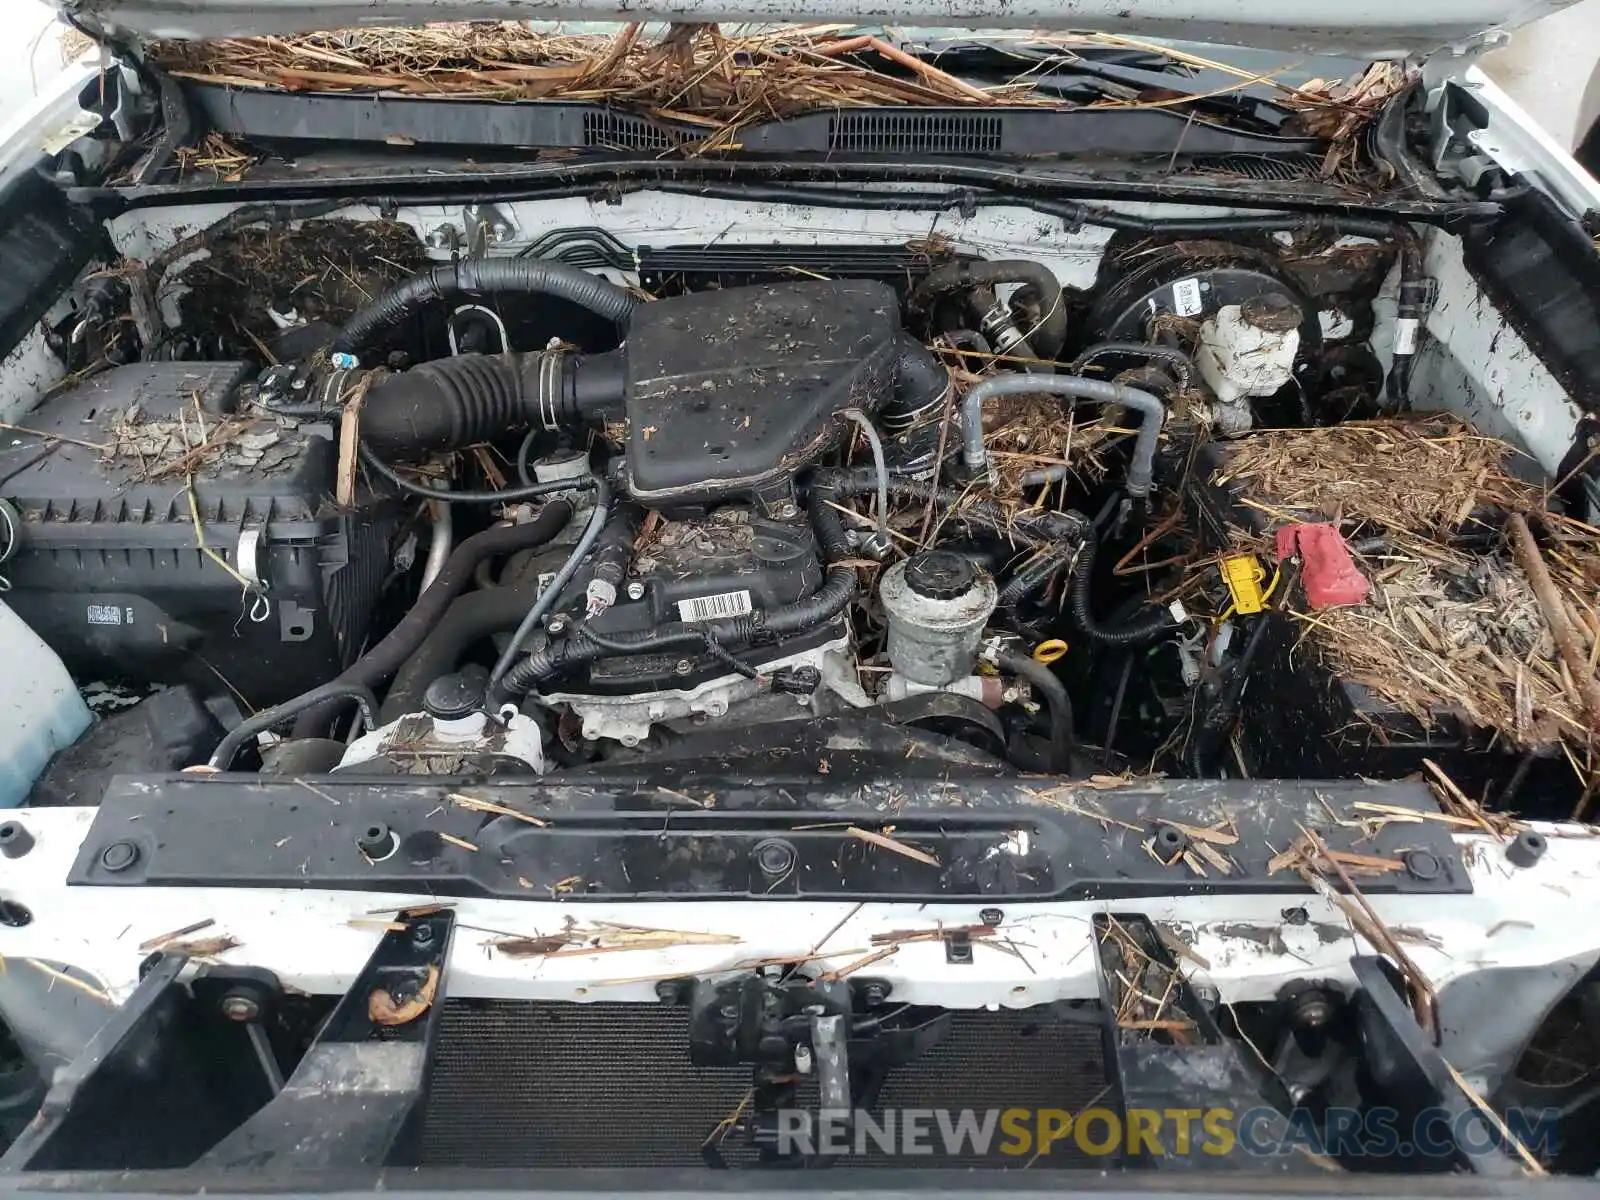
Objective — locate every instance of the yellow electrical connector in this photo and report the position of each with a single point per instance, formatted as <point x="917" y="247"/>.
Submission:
<point x="1244" y="575"/>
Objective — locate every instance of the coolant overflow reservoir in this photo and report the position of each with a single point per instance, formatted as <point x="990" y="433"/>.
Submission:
<point x="937" y="604"/>
<point x="451" y="736"/>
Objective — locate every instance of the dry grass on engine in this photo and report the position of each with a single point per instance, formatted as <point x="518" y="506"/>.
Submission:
<point x="324" y="269"/>
<point x="705" y="78"/>
<point x="1452" y="623"/>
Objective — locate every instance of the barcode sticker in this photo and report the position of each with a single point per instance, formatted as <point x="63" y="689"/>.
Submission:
<point x="709" y="608"/>
<point x="1186" y="298"/>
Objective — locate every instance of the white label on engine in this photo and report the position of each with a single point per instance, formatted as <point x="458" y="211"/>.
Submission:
<point x="106" y="614"/>
<point x="1186" y="298"/>
<point x="1405" y="336"/>
<point x="709" y="608"/>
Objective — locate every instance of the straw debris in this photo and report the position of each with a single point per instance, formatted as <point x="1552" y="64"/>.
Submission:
<point x="1453" y="623"/>
<point x="707" y="82"/>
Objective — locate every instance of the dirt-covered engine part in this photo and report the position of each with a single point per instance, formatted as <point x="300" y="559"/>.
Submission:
<point x="723" y="393"/>
<point x="164" y="536"/>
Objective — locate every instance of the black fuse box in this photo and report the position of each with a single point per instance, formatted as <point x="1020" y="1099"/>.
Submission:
<point x="106" y="565"/>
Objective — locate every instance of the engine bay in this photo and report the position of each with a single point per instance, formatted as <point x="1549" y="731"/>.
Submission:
<point x="852" y="613"/>
<point x="550" y="503"/>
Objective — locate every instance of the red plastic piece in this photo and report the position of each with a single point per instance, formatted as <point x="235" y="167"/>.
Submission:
<point x="1330" y="575"/>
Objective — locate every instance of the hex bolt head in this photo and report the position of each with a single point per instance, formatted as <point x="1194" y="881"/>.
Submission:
<point x="1526" y="848"/>
<point x="422" y="934"/>
<point x="119" y="856"/>
<point x="237" y="1006"/>
<point x="15" y="841"/>
<point x="636" y="590"/>
<point x="684" y="666"/>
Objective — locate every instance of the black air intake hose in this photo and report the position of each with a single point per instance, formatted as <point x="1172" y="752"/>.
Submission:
<point x="920" y="379"/>
<point x="1142" y="629"/>
<point x="1047" y="337"/>
<point x="484" y="276"/>
<point x="454" y="402"/>
<point x="836" y="592"/>
<point x="470" y="619"/>
<point x="379" y="664"/>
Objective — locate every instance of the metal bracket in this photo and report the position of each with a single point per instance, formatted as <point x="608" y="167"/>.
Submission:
<point x="487" y="225"/>
<point x="362" y="1081"/>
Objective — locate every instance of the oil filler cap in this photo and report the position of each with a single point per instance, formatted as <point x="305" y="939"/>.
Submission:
<point x="940" y="575"/>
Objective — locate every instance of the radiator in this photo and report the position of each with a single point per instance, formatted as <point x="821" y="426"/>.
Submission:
<point x="524" y="1083"/>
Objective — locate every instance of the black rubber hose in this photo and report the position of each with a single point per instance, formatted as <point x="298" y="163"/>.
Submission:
<point x="377" y="466"/>
<point x="1063" y="737"/>
<point x="455" y="402"/>
<point x="1141" y="629"/>
<point x="1047" y="337"/>
<point x="1032" y="577"/>
<point x="1413" y="307"/>
<point x="484" y="276"/>
<point x="469" y="619"/>
<point x="328" y="694"/>
<point x="551" y="596"/>
<point x="1150" y="351"/>
<point x="1217" y="721"/>
<point x="920" y="379"/>
<point x="379" y="664"/>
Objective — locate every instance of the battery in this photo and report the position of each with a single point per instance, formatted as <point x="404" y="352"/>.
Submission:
<point x="1298" y="717"/>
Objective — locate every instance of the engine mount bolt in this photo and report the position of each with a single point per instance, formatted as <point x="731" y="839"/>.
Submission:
<point x="684" y="666"/>
<point x="1526" y="849"/>
<point x="636" y="590"/>
<point x="237" y="1006"/>
<point x="119" y="856"/>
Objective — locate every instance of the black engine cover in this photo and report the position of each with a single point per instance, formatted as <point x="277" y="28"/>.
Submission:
<point x="730" y="393"/>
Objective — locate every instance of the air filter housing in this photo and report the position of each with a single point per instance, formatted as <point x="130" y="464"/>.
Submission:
<point x="731" y="393"/>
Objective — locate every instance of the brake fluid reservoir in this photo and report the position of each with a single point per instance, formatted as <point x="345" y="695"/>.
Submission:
<point x="937" y="604"/>
<point x="1247" y="351"/>
<point x="40" y="708"/>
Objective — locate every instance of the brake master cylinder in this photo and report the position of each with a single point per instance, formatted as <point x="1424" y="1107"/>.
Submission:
<point x="937" y="604"/>
<point x="1248" y="350"/>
